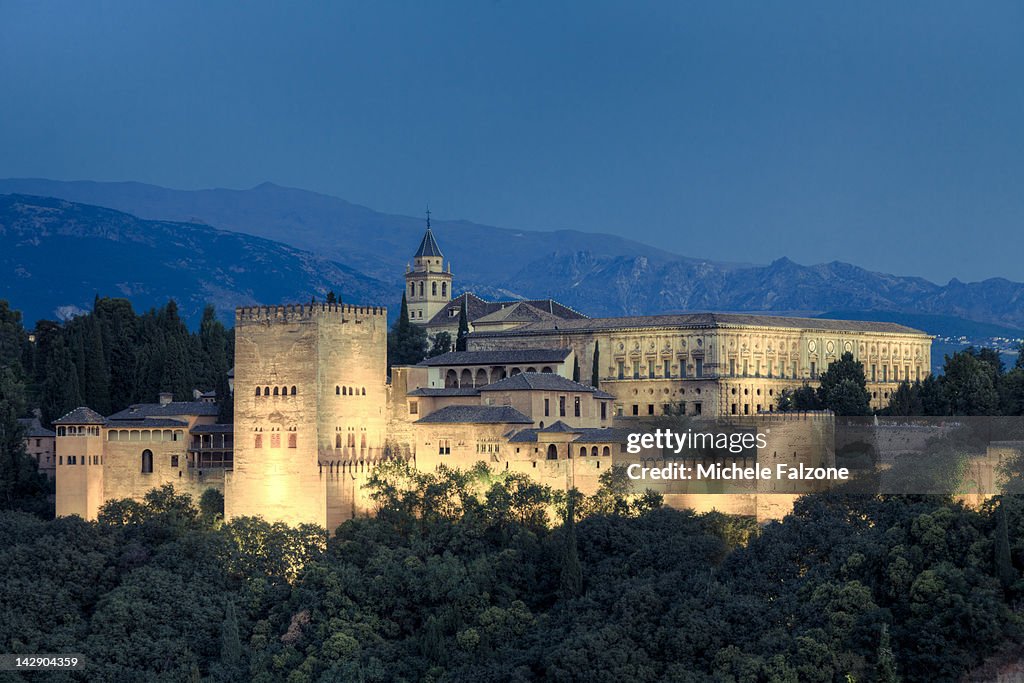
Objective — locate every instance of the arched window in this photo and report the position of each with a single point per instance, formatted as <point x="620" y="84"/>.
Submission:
<point x="351" y="391"/>
<point x="466" y="378"/>
<point x="583" y="451"/>
<point x="444" y="289"/>
<point x="531" y="369"/>
<point x="266" y="391"/>
<point x="433" y="289"/>
<point x="337" y="390"/>
<point x="258" y="391"/>
<point x="593" y="451"/>
<point x="364" y="391"/>
<point x="421" y="288"/>
<point x="147" y="461"/>
<point x="481" y="378"/>
<point x="606" y="451"/>
<point x="362" y="440"/>
<point x="275" y="391"/>
<point x="547" y="369"/>
<point x="294" y="391"/>
<point x="344" y="391"/>
<point x="515" y="371"/>
<point x="552" y="452"/>
<point x="451" y="379"/>
<point x="412" y="289"/>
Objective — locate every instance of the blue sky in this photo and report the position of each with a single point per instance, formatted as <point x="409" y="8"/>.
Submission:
<point x="889" y="135"/>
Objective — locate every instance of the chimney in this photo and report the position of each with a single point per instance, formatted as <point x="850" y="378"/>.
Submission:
<point x="166" y="397"/>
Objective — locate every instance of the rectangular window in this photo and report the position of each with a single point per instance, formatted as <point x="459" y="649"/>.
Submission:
<point x="275" y="440"/>
<point x="697" y="408"/>
<point x="636" y="409"/>
<point x="174" y="461"/>
<point x="650" y="368"/>
<point x="733" y="410"/>
<point x="732" y="367"/>
<point x="666" y="409"/>
<point x="636" y="370"/>
<point x="444" y="447"/>
<point x="622" y="369"/>
<point x="414" y="407"/>
<point x="667" y="370"/>
<point x="814" y="370"/>
<point x="682" y="367"/>
<point x="745" y="368"/>
<point x="906" y="373"/>
<point x="259" y="441"/>
<point x="650" y="409"/>
<point x="873" y="374"/>
<point x="293" y="440"/>
<point x="576" y="406"/>
<point x="885" y="373"/>
<point x="547" y="407"/>
<point x="746" y="409"/>
<point x="561" y="406"/>
<point x="700" y="368"/>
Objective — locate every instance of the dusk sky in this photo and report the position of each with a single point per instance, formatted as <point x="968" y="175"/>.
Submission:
<point x="889" y="135"/>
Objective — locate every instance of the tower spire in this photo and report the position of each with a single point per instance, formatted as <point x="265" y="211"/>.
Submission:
<point x="428" y="216"/>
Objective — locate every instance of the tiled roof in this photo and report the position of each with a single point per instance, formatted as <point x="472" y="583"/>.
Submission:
<point x="603" y="435"/>
<point x="518" y="312"/>
<point x="706" y="320"/>
<point x="602" y="394"/>
<point x="428" y="247"/>
<point x="537" y="381"/>
<point x="447" y="391"/>
<point x="34" y="429"/>
<point x="212" y="429"/>
<point x="524" y="436"/>
<point x="172" y="409"/>
<point x="81" y="416"/>
<point x="477" y="308"/>
<point x="475" y="415"/>
<point x="145" y="423"/>
<point x="559" y="426"/>
<point x="497" y="357"/>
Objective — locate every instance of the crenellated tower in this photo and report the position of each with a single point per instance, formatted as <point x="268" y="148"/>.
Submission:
<point x="428" y="286"/>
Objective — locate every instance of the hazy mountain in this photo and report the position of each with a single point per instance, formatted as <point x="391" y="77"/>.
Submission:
<point x="596" y="274"/>
<point x="55" y="256"/>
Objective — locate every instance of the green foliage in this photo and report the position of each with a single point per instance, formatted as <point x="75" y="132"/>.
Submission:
<point x="799" y="400"/>
<point x="442" y="343"/>
<point x="595" y="371"/>
<point x="571" y="576"/>
<point x="407" y="342"/>
<point x="211" y="505"/>
<point x="843" y="388"/>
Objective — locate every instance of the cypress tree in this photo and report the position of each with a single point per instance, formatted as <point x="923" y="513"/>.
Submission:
<point x="571" y="578"/>
<point x="463" y="336"/>
<point x="97" y="377"/>
<point x="407" y="343"/>
<point x="230" y="645"/>
<point x="885" y="664"/>
<point x="60" y="391"/>
<point x="575" y="369"/>
<point x="1004" y="564"/>
<point x="595" y="373"/>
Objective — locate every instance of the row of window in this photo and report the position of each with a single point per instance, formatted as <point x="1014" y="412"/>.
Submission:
<point x="666" y="369"/>
<point x="277" y="391"/>
<point x="666" y="409"/>
<point x="433" y="288"/>
<point x="275" y="440"/>
<point x="79" y="459"/>
<point x="155" y="435"/>
<point x="76" y="430"/>
<point x="349" y="391"/>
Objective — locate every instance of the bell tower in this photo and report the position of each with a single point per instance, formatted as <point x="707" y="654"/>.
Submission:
<point x="428" y="287"/>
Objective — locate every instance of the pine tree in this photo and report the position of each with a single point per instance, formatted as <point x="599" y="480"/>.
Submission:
<point x="843" y="387"/>
<point x="571" y="578"/>
<point x="595" y="371"/>
<point x="463" y="335"/>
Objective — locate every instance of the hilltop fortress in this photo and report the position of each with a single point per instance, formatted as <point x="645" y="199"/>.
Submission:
<point x="316" y="412"/>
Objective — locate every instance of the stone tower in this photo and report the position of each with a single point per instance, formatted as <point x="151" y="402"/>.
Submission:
<point x="428" y="287"/>
<point x="310" y="410"/>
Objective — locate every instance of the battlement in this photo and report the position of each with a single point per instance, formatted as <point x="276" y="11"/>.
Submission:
<point x="300" y="312"/>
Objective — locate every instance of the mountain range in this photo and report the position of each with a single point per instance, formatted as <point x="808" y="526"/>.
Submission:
<point x="312" y="242"/>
